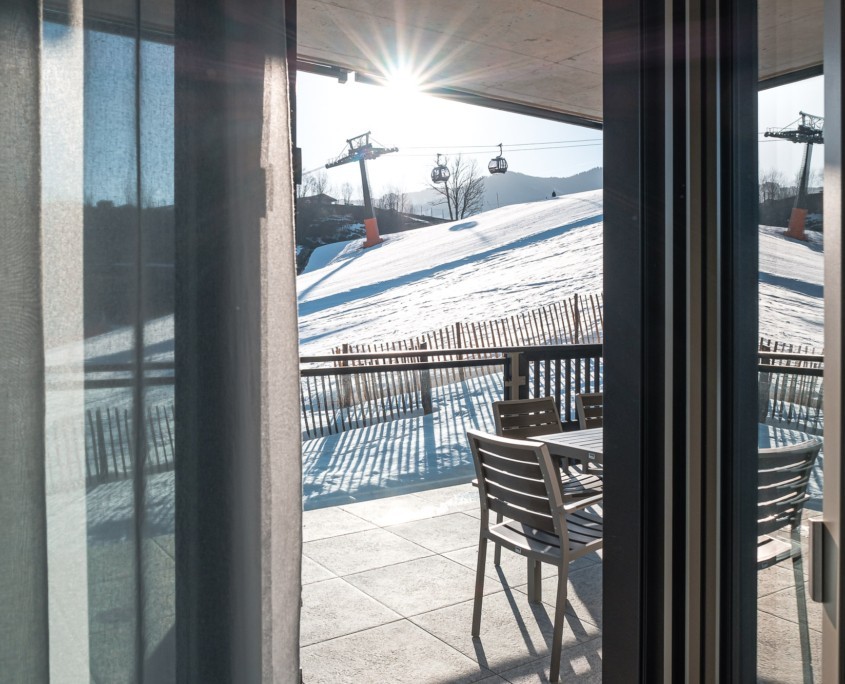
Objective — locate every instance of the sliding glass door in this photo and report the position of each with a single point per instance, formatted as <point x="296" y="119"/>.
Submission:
<point x="723" y="299"/>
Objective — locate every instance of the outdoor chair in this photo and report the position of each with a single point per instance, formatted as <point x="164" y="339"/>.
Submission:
<point x="519" y="481"/>
<point x="590" y="408"/>
<point x="527" y="418"/>
<point x="782" y="477"/>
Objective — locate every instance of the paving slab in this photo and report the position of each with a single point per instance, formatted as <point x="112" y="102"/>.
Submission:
<point x="440" y="534"/>
<point x="513" y="569"/>
<point x="581" y="663"/>
<point x="331" y="522"/>
<point x="420" y="585"/>
<point x="783" y="656"/>
<point x="399" y="653"/>
<point x="314" y="572"/>
<point x="513" y="631"/>
<point x="362" y="551"/>
<point x="458" y="498"/>
<point x="394" y="510"/>
<point x="583" y="595"/>
<point x="334" y="608"/>
<point x="785" y="604"/>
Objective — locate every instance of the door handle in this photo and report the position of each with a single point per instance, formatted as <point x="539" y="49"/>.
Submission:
<point x="816" y="564"/>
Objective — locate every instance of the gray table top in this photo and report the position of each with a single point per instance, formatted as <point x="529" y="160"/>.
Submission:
<point x="589" y="444"/>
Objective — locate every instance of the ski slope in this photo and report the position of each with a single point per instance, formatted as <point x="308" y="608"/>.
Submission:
<point x="506" y="260"/>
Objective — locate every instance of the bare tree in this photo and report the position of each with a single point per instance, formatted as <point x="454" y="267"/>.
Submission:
<point x="395" y="199"/>
<point x="306" y="188"/>
<point x="772" y="185"/>
<point x="463" y="193"/>
<point x="346" y="193"/>
<point x="320" y="182"/>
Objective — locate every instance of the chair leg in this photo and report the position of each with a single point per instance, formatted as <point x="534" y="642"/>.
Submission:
<point x="557" y="634"/>
<point x="535" y="581"/>
<point x="479" y="585"/>
<point x="497" y="554"/>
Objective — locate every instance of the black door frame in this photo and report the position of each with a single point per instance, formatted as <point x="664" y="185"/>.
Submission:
<point x="680" y="267"/>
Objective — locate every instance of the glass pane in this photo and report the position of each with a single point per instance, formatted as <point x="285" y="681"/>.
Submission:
<point x="791" y="345"/>
<point x="388" y="494"/>
<point x="157" y="287"/>
<point x="107" y="127"/>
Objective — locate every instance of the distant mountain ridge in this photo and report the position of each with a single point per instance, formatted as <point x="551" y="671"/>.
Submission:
<point x="517" y="188"/>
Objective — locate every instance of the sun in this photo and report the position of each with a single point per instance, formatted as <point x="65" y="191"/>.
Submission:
<point x="404" y="82"/>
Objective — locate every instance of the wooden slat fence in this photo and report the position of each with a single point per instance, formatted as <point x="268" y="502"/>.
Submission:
<point x="103" y="444"/>
<point x="363" y="389"/>
<point x="791" y="386"/>
<point x="577" y="320"/>
<point x="109" y="445"/>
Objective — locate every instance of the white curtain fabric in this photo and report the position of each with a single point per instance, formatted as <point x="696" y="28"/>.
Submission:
<point x="23" y="541"/>
<point x="60" y="584"/>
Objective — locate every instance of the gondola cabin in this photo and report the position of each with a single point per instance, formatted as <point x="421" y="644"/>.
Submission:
<point x="498" y="164"/>
<point x="440" y="173"/>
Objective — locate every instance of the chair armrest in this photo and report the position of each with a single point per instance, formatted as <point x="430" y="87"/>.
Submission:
<point x="579" y="504"/>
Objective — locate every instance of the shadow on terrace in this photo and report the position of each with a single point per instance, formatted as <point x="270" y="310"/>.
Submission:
<point x="392" y="522"/>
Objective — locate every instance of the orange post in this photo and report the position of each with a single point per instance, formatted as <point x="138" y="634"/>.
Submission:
<point x="373" y="238"/>
<point x="797" y="220"/>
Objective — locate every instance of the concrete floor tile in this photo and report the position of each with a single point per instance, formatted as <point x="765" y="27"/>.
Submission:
<point x="775" y="579"/>
<point x="512" y="571"/>
<point x="581" y="663"/>
<point x="361" y="551"/>
<point x="314" y="572"/>
<point x="440" y="534"/>
<point x="514" y="632"/>
<point x="784" y="604"/>
<point x="335" y="608"/>
<point x="584" y="593"/>
<point x="458" y="498"/>
<point x="322" y="523"/>
<point x="398" y="653"/>
<point x="419" y="586"/>
<point x="393" y="510"/>
<point x="786" y="654"/>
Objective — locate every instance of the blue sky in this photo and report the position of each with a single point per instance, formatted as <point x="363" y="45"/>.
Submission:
<point x="328" y="114"/>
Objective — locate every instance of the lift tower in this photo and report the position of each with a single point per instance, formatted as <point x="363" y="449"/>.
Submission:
<point x="810" y="131"/>
<point x="360" y="150"/>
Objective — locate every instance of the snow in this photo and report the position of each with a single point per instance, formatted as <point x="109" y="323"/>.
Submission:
<point x="325" y="254"/>
<point x="489" y="266"/>
<point x="506" y="260"/>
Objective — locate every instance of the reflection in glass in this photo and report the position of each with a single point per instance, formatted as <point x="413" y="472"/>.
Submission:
<point x="791" y="327"/>
<point x="107" y="127"/>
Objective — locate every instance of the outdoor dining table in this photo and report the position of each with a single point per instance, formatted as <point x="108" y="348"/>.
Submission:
<point x="588" y="445"/>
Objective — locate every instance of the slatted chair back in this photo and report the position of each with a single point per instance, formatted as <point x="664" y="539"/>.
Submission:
<point x="526" y="418"/>
<point x="513" y="480"/>
<point x="590" y="408"/>
<point x="782" y="477"/>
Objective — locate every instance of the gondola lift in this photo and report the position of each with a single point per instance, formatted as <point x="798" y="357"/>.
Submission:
<point x="498" y="164"/>
<point x="440" y="173"/>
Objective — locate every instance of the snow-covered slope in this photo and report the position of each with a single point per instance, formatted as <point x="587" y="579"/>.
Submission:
<point x="487" y="266"/>
<point x="506" y="260"/>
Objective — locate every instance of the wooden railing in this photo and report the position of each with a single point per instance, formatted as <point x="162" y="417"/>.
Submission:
<point x="791" y="390"/>
<point x="349" y="391"/>
<point x="359" y="390"/>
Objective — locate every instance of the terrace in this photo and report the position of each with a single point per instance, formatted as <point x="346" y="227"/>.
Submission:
<point x="388" y="588"/>
<point x="391" y="523"/>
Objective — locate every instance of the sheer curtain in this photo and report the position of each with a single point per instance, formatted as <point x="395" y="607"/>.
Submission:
<point x="150" y="469"/>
